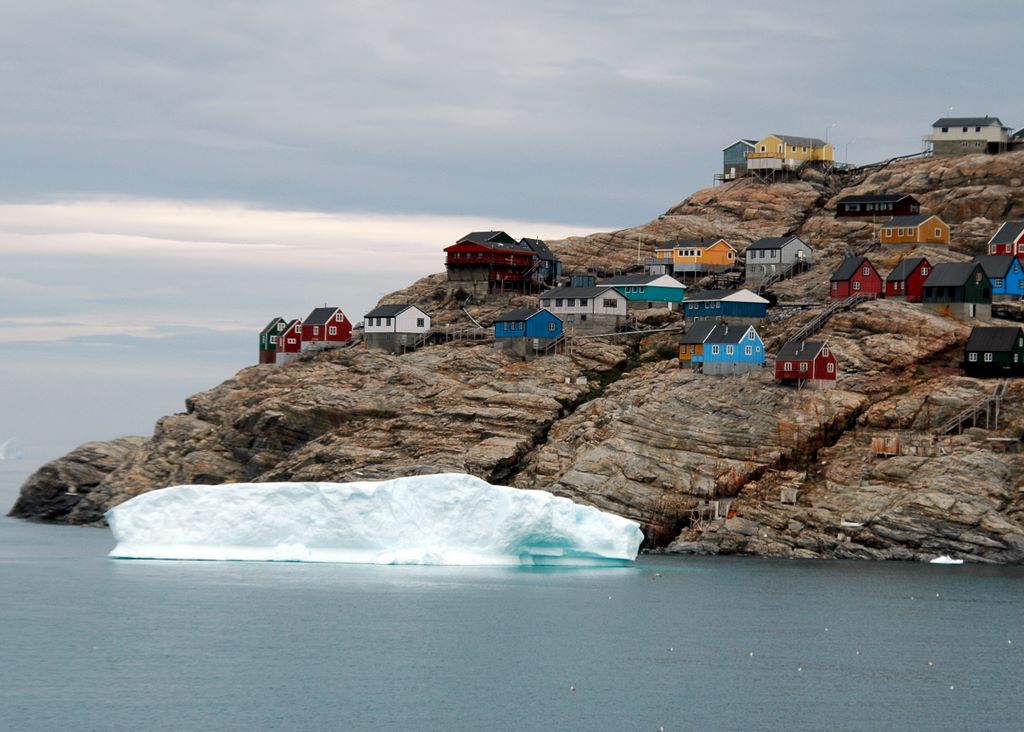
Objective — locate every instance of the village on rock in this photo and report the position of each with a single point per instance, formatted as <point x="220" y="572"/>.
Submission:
<point x="712" y="292"/>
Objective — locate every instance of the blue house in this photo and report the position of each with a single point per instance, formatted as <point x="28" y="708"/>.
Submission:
<point x="734" y="159"/>
<point x="1005" y="273"/>
<point x="528" y="331"/>
<point x="736" y="306"/>
<point x="721" y="348"/>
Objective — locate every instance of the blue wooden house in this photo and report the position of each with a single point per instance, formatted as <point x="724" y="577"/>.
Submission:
<point x="647" y="291"/>
<point x="528" y="331"/>
<point x="734" y="159"/>
<point x="1006" y="274"/>
<point x="736" y="306"/>
<point x="721" y="348"/>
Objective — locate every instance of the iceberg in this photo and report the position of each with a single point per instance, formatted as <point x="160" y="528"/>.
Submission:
<point x="451" y="518"/>
<point x="946" y="559"/>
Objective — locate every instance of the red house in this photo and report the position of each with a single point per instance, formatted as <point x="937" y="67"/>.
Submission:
<point x="290" y="339"/>
<point x="492" y="261"/>
<point x="326" y="325"/>
<point x="907" y="280"/>
<point x="806" y="363"/>
<point x="856" y="276"/>
<point x="1008" y="240"/>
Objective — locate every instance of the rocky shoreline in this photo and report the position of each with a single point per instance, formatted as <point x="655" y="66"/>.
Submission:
<point x="641" y="436"/>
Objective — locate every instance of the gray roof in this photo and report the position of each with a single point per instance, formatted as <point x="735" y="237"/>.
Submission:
<point x="908" y="220"/>
<point x="876" y="198"/>
<point x="772" y="242"/>
<point x="904" y="269"/>
<point x="636" y="279"/>
<point x="993" y="339"/>
<point x="539" y="248"/>
<point x="697" y="333"/>
<point x="1008" y="232"/>
<point x="951" y="274"/>
<point x="995" y="265"/>
<point x="848" y="268"/>
<point x="387" y="311"/>
<point x="749" y="143"/>
<point x="710" y="295"/>
<point x="691" y="243"/>
<point x="967" y="122"/>
<point x="799" y="350"/>
<point x="319" y="316"/>
<point x="270" y="325"/>
<point x="487" y="237"/>
<point x="587" y="292"/>
<point x="517" y="315"/>
<point x="794" y="140"/>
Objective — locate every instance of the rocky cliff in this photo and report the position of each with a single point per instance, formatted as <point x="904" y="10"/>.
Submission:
<point x="643" y="437"/>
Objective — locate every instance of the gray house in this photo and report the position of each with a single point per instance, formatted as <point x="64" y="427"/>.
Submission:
<point x="967" y="135"/>
<point x="734" y="159"/>
<point x="774" y="255"/>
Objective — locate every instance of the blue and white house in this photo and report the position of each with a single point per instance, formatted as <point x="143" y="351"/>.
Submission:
<point x="528" y="331"/>
<point x="1005" y="273"/>
<point x="722" y="348"/>
<point x="736" y="306"/>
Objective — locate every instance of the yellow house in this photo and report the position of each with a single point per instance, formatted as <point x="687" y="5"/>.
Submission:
<point x="697" y="255"/>
<point x="921" y="229"/>
<point x="786" y="152"/>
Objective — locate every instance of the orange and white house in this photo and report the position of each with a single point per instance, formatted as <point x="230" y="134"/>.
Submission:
<point x="696" y="255"/>
<point x="921" y="229"/>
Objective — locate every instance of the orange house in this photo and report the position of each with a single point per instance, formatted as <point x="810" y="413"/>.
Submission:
<point x="921" y="229"/>
<point x="698" y="255"/>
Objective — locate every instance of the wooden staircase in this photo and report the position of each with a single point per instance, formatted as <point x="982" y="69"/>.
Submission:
<point x="819" y="320"/>
<point x="988" y="407"/>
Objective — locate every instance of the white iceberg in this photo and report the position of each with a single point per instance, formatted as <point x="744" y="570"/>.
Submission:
<point x="946" y="559"/>
<point x="452" y="518"/>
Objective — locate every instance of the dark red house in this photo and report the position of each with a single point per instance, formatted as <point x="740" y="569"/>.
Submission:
<point x="806" y="363"/>
<point x="855" y="276"/>
<point x="885" y="204"/>
<point x="907" y="279"/>
<point x="492" y="260"/>
<point x="1008" y="240"/>
<point x="290" y="339"/>
<point x="326" y="325"/>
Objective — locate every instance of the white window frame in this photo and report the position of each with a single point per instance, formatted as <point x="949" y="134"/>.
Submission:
<point x="332" y="330"/>
<point x="988" y="358"/>
<point x="972" y="357"/>
<point x="830" y="367"/>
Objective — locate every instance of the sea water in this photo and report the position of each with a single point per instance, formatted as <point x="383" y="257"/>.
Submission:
<point x="90" y="643"/>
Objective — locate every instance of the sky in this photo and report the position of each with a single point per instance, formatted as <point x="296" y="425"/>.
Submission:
<point x="177" y="173"/>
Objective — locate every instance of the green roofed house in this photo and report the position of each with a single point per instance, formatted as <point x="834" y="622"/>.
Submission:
<point x="993" y="351"/>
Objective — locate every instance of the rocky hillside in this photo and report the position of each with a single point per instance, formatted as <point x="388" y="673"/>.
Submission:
<point x="643" y="437"/>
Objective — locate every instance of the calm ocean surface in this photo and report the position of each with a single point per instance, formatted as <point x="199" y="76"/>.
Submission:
<point x="89" y="643"/>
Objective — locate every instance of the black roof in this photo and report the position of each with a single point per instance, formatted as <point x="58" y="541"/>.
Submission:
<point x="319" y="316"/>
<point x="517" y="315"/>
<point x="487" y="237"/>
<point x="691" y="243"/>
<point x="271" y="325"/>
<point x="697" y="333"/>
<point x="387" y="311"/>
<point x="635" y="279"/>
<point x="907" y="220"/>
<point x="904" y="269"/>
<point x="993" y="339"/>
<point x="710" y="331"/>
<point x="876" y="198"/>
<point x="951" y="274"/>
<point x="849" y="268"/>
<point x="801" y="141"/>
<point x="966" y="121"/>
<point x="995" y="265"/>
<point x="576" y="292"/>
<point x="1008" y="233"/>
<point x="710" y="295"/>
<point x="799" y="350"/>
<point x="539" y="248"/>
<point x="772" y="242"/>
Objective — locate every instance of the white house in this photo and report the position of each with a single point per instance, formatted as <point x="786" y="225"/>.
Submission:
<point x="587" y="308"/>
<point x="395" y="328"/>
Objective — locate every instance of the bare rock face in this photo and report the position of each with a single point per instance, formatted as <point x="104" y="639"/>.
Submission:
<point x="53" y="491"/>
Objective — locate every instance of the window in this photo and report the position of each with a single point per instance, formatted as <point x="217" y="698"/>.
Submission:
<point x="583" y="317"/>
<point x="856" y="207"/>
<point x="782" y="148"/>
<point x="788" y="366"/>
<point x="316" y="330"/>
<point x="546" y="302"/>
<point x="856" y="285"/>
<point x="866" y="271"/>
<point x="945" y="129"/>
<point x="938" y="231"/>
<point x="965" y="129"/>
<point x="835" y="285"/>
<point x="273" y="340"/>
<point x="421" y="322"/>
<point x="729" y="350"/>
<point x="291" y="341"/>
<point x="824" y="351"/>
<point x="610" y="303"/>
<point x="998" y="282"/>
<point x="830" y="367"/>
<point x="899" y="232"/>
<point x="558" y="302"/>
<point x="977" y="277"/>
<point x="757" y="348"/>
<point x="763" y="148"/>
<point x="570" y="302"/>
<point x="888" y="232"/>
<point x="924" y="271"/>
<point x="972" y="356"/>
<point x="339" y="317"/>
<point x="551" y="327"/>
<point x="387" y="321"/>
<point x="988" y="358"/>
<point x="977" y="129"/>
<point x="749" y="351"/>
<point x="332" y="331"/>
<point x="583" y="302"/>
<point x="803" y="366"/>
<point x="714" y="350"/>
<point x="912" y="231"/>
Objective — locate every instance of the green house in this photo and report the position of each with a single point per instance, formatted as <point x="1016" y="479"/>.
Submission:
<point x="268" y="340"/>
<point x="994" y="351"/>
<point x="648" y="290"/>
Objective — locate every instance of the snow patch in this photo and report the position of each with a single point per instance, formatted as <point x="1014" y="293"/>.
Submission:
<point x="451" y="518"/>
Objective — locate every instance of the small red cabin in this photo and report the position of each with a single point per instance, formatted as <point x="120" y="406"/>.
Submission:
<point x="290" y="339"/>
<point x="806" y="363"/>
<point x="856" y="276"/>
<point x="1008" y="240"/>
<point x="907" y="279"/>
<point x="326" y="325"/>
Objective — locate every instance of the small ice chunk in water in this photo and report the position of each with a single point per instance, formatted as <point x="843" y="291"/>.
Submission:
<point x="452" y="518"/>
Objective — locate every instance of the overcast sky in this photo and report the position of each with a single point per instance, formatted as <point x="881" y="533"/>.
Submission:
<point x="176" y="173"/>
